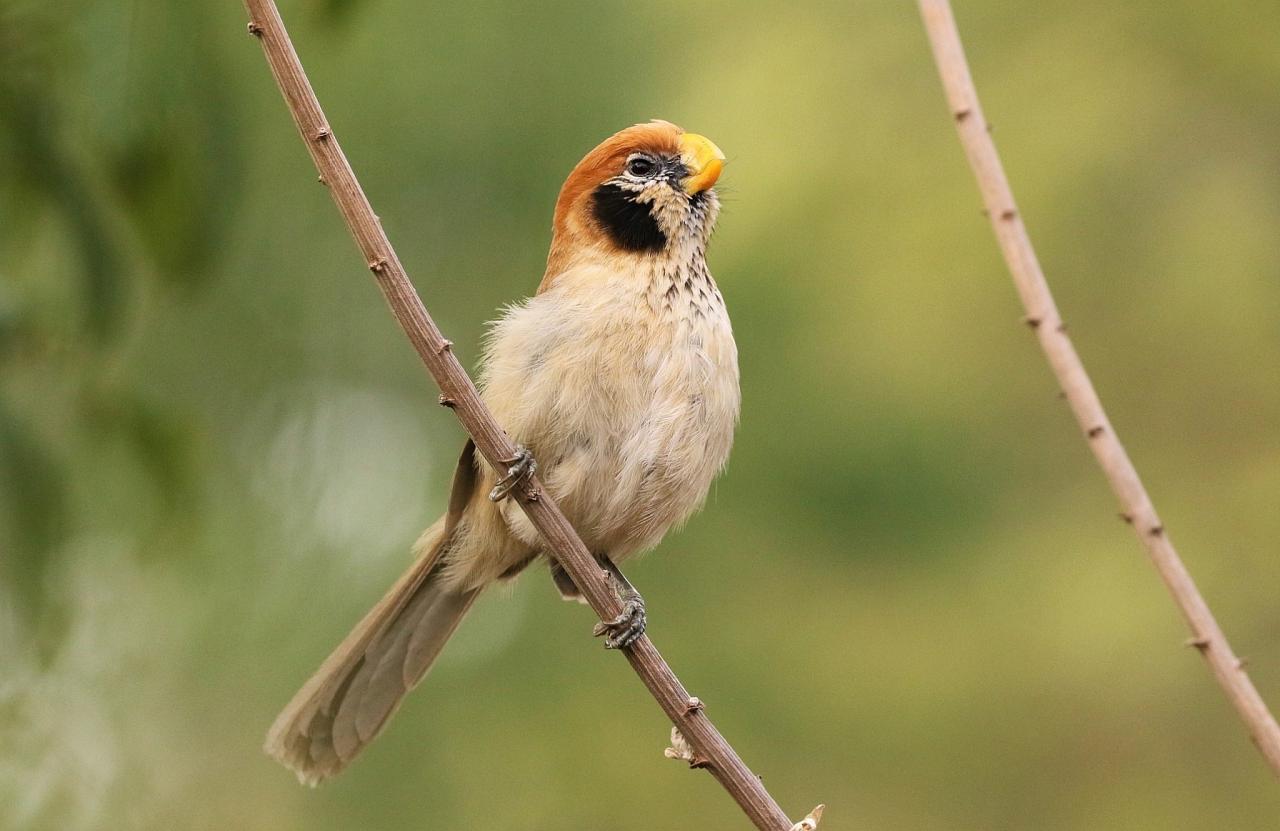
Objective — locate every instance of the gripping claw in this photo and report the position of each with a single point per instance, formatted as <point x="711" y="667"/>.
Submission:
<point x="519" y="469"/>
<point x="630" y="624"/>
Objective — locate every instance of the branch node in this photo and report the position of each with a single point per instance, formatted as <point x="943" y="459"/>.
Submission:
<point x="693" y="705"/>
<point x="255" y="29"/>
<point x="1156" y="531"/>
<point x="682" y="750"/>
<point x="446" y="401"/>
<point x="810" y="822"/>
<point x="323" y="134"/>
<point x="1095" y="432"/>
<point x="1201" y="644"/>
<point x="1126" y="516"/>
<point x="1032" y="321"/>
<point x="379" y="265"/>
<point x="1061" y="327"/>
<point x="1008" y="214"/>
<point x="1242" y="662"/>
<point x="962" y="114"/>
<point x="322" y="180"/>
<point x="445" y="346"/>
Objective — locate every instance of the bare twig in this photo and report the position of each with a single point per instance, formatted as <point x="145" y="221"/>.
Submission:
<point x="459" y="394"/>
<point x="1042" y="316"/>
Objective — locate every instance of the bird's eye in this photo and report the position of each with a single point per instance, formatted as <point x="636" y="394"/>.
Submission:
<point x="641" y="166"/>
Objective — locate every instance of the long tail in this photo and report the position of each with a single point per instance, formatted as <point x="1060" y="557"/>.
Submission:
<point x="356" y="690"/>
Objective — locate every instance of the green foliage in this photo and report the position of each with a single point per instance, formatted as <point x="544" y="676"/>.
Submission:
<point x="907" y="597"/>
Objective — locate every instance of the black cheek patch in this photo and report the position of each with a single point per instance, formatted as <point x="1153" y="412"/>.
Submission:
<point x="627" y="222"/>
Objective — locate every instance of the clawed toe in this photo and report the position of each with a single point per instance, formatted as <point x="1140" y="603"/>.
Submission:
<point x="519" y="469"/>
<point x="626" y="628"/>
<point x="629" y="625"/>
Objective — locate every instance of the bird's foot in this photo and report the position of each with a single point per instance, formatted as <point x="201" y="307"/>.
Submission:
<point x="519" y="469"/>
<point x="630" y="624"/>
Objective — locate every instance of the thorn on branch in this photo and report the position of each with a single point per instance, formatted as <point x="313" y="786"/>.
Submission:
<point x="1032" y="321"/>
<point x="1008" y="214"/>
<point x="322" y="180"/>
<point x="446" y="401"/>
<point x="1201" y="644"/>
<point x="961" y="115"/>
<point x="810" y="822"/>
<point x="445" y="346"/>
<point x="255" y="29"/>
<point x="323" y="134"/>
<point x="1156" y="531"/>
<point x="1062" y="328"/>
<point x="681" y="749"/>
<point x="693" y="705"/>
<point x="1127" y="517"/>
<point x="1094" y="432"/>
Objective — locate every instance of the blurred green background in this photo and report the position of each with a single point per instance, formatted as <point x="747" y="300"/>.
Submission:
<point x="909" y="596"/>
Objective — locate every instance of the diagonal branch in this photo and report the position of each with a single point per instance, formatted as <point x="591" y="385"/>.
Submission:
<point x="1042" y="316"/>
<point x="459" y="393"/>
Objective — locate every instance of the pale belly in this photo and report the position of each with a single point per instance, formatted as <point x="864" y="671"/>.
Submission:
<point x="629" y="411"/>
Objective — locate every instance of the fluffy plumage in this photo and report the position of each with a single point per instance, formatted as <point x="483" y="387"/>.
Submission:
<point x="620" y="375"/>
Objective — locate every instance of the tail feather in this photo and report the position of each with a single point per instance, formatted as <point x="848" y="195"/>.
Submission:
<point x="347" y="702"/>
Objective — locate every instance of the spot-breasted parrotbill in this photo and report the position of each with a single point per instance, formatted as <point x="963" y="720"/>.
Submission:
<point x="619" y="377"/>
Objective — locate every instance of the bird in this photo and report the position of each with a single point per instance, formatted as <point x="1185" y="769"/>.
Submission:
<point x="618" y="380"/>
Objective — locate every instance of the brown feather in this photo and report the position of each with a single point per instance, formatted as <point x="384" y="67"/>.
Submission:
<point x="359" y="686"/>
<point x="573" y="228"/>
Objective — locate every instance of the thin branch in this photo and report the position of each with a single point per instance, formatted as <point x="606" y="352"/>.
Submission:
<point x="459" y="393"/>
<point x="1042" y="316"/>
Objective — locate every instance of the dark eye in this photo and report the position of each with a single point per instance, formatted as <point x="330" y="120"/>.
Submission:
<point x="640" y="166"/>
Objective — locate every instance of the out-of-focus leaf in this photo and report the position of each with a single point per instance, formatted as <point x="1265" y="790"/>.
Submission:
<point x="33" y="504"/>
<point x="173" y="153"/>
<point x="161" y="442"/>
<point x="33" y="126"/>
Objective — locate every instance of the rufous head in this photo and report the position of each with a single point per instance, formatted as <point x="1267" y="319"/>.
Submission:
<point x="645" y="191"/>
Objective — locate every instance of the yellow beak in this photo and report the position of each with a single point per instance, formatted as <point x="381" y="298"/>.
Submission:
<point x="703" y="160"/>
